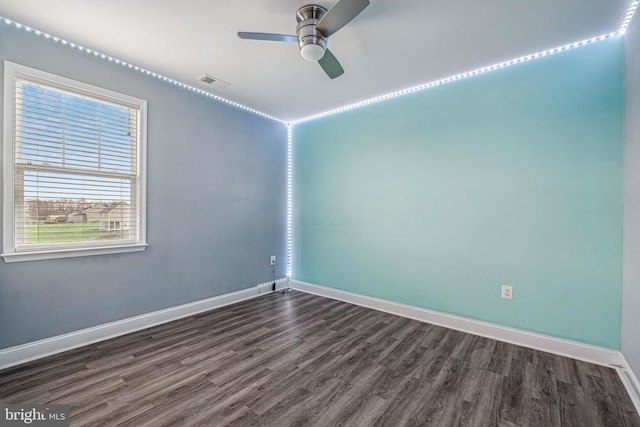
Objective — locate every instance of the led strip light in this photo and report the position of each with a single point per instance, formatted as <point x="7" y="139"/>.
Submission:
<point x="136" y="68"/>
<point x="461" y="76"/>
<point x="629" y="15"/>
<point x="623" y="29"/>
<point x="625" y="24"/>
<point x="270" y="283"/>
<point x="289" y="198"/>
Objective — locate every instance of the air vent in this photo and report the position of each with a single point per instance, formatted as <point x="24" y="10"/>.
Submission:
<point x="210" y="80"/>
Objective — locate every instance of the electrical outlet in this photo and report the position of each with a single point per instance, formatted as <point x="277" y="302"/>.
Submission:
<point x="272" y="260"/>
<point x="507" y="292"/>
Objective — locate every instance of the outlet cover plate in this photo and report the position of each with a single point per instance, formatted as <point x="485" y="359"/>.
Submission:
<point x="507" y="292"/>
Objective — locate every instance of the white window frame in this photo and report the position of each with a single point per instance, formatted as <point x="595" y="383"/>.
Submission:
<point x="13" y="71"/>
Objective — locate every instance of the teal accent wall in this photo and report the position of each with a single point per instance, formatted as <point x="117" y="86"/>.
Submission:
<point x="437" y="198"/>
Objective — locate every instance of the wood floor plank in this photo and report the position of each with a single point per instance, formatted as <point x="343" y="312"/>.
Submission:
<point x="486" y="406"/>
<point x="298" y="359"/>
<point x="574" y="406"/>
<point x="442" y="405"/>
<point x="403" y="405"/>
<point x="350" y="403"/>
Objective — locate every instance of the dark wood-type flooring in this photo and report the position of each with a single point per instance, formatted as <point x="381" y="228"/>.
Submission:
<point x="298" y="359"/>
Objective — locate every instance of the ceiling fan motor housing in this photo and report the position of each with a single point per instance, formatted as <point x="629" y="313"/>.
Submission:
<point x="312" y="43"/>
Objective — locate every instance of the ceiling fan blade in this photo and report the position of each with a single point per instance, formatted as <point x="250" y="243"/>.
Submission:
<point x="340" y="15"/>
<point x="330" y="65"/>
<point x="267" y="37"/>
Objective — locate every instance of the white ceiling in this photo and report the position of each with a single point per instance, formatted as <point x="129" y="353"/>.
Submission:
<point x="392" y="45"/>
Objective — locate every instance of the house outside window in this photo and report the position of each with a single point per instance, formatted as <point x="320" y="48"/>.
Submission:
<point x="74" y="168"/>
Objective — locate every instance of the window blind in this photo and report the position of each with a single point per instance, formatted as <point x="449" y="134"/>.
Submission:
<point x="76" y="169"/>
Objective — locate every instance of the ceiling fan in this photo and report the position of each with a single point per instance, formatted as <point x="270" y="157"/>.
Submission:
<point x="315" y="25"/>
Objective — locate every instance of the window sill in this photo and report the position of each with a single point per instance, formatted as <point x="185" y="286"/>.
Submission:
<point x="71" y="253"/>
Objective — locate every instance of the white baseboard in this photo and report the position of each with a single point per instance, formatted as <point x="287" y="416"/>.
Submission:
<point x="630" y="381"/>
<point x="575" y="350"/>
<point x="20" y="354"/>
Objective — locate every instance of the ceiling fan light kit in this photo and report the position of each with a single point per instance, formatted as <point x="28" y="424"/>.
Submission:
<point x="313" y="52"/>
<point x="315" y="25"/>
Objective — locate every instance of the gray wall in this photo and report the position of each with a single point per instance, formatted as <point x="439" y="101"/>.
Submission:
<point x="631" y="227"/>
<point x="216" y="208"/>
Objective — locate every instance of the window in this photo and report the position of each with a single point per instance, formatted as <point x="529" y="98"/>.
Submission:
<point x="74" y="168"/>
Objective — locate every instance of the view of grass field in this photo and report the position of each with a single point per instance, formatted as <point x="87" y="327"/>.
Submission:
<point x="59" y="233"/>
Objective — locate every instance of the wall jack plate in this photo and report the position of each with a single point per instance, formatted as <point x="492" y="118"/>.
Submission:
<point x="272" y="260"/>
